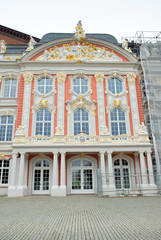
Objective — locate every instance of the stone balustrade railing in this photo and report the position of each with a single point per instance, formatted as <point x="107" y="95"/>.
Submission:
<point x="81" y="139"/>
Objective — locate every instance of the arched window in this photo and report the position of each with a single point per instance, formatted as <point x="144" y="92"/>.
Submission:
<point x="121" y="169"/>
<point x="80" y="85"/>
<point x="115" y="85"/>
<point x="6" y="128"/>
<point x="10" y="88"/>
<point x="118" y="122"/>
<point x="44" y="85"/>
<point x="81" y="122"/>
<point x="4" y="171"/>
<point x="43" y="122"/>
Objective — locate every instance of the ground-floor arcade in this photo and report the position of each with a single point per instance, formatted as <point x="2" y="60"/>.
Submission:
<point x="65" y="171"/>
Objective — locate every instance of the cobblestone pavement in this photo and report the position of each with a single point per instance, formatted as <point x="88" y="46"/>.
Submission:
<point x="80" y="217"/>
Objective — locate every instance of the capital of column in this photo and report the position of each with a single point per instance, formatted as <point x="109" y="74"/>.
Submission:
<point x="109" y="152"/>
<point x="102" y="152"/>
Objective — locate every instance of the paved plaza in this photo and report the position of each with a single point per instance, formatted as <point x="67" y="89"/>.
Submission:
<point x="80" y="217"/>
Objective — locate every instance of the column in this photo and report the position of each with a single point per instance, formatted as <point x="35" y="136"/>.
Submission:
<point x="102" y="153"/>
<point x="21" y="170"/>
<point x="13" y="169"/>
<point x="63" y="185"/>
<point x="150" y="168"/>
<point x="55" y="170"/>
<point x="110" y="170"/>
<point x="12" y="188"/>
<point x="143" y="169"/>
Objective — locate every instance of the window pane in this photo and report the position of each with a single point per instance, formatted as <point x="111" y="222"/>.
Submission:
<point x="10" y="119"/>
<point x="77" y="115"/>
<point x="122" y="127"/>
<point x="9" y="133"/>
<point x="76" y="163"/>
<point x="47" y="115"/>
<point x="2" y="132"/>
<point x="87" y="163"/>
<point x="111" y="85"/>
<point x="44" y="85"/>
<point x="114" y="115"/>
<point x="84" y="115"/>
<point x="114" y="128"/>
<point x="117" y="162"/>
<point x="121" y="115"/>
<point x="77" y="128"/>
<point x="39" y="128"/>
<point x="46" y="163"/>
<point x="38" y="163"/>
<point x="118" y="86"/>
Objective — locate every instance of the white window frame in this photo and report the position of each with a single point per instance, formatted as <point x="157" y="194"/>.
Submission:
<point x="3" y="87"/>
<point x="43" y="121"/>
<point x="2" y="168"/>
<point x="35" y="110"/>
<point x="6" y="127"/>
<point x="81" y="122"/>
<point x="120" y="78"/>
<point x="126" y="121"/>
<point x="47" y="76"/>
<point x="86" y="78"/>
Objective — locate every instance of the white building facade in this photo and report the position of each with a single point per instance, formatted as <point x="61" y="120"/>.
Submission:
<point x="69" y="106"/>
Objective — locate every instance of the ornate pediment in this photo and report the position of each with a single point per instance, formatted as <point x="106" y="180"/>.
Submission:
<point x="79" y="52"/>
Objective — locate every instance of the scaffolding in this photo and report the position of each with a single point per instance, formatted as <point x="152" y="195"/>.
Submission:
<point x="148" y="45"/>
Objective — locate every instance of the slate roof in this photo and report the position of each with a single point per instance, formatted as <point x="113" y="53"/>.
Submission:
<point x="18" y="49"/>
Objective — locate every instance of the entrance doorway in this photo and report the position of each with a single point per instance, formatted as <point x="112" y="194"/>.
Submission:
<point x="82" y="176"/>
<point x="41" y="177"/>
<point x="122" y="178"/>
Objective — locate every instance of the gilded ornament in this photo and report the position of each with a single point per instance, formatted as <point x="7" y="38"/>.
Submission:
<point x="99" y="77"/>
<point x="2" y="155"/>
<point x="61" y="77"/>
<point x="28" y="77"/>
<point x="41" y="155"/>
<point x="82" y="154"/>
<point x="121" y="154"/>
<point x="131" y="77"/>
<point x="2" y="46"/>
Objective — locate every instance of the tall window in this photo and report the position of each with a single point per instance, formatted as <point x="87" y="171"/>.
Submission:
<point x="80" y="85"/>
<point x="4" y="171"/>
<point x="44" y="85"/>
<point x="118" y="123"/>
<point x="6" y="128"/>
<point x="43" y="122"/>
<point x="115" y="85"/>
<point x="81" y="122"/>
<point x="10" y="88"/>
<point x="121" y="170"/>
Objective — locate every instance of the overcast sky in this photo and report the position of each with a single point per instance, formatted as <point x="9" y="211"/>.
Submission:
<point x="121" y="18"/>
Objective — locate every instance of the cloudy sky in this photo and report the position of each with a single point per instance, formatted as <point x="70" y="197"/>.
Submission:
<point x="121" y="18"/>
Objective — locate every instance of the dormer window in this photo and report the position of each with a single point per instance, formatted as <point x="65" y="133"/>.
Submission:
<point x="80" y="85"/>
<point x="115" y="86"/>
<point x="44" y="85"/>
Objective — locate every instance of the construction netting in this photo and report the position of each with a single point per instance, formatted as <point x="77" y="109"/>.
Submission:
<point x="150" y="55"/>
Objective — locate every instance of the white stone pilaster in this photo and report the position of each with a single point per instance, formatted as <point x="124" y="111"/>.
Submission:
<point x="54" y="188"/>
<point x="21" y="170"/>
<point x="26" y="103"/>
<point x="150" y="168"/>
<point x="133" y="102"/>
<point x="110" y="171"/>
<point x="100" y="100"/>
<point x="143" y="169"/>
<point x="61" y="77"/>
<point x="11" y="188"/>
<point x="102" y="153"/>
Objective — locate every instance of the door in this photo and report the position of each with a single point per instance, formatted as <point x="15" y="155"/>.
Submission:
<point x="41" y="177"/>
<point x="121" y="170"/>
<point x="82" y="180"/>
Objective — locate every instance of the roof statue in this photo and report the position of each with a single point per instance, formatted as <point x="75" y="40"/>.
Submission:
<point x="79" y="34"/>
<point x="125" y="45"/>
<point x="31" y="44"/>
<point x="2" y="46"/>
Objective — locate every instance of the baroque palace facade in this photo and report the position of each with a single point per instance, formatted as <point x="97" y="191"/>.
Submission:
<point x="71" y="104"/>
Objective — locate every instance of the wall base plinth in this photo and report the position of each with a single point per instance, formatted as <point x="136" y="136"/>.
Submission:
<point x="109" y="191"/>
<point x="16" y="191"/>
<point x="149" y="190"/>
<point x="58" y="191"/>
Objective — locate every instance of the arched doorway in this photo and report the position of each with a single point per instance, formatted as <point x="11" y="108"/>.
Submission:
<point x="82" y="176"/>
<point x="41" y="177"/>
<point x="122" y="176"/>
